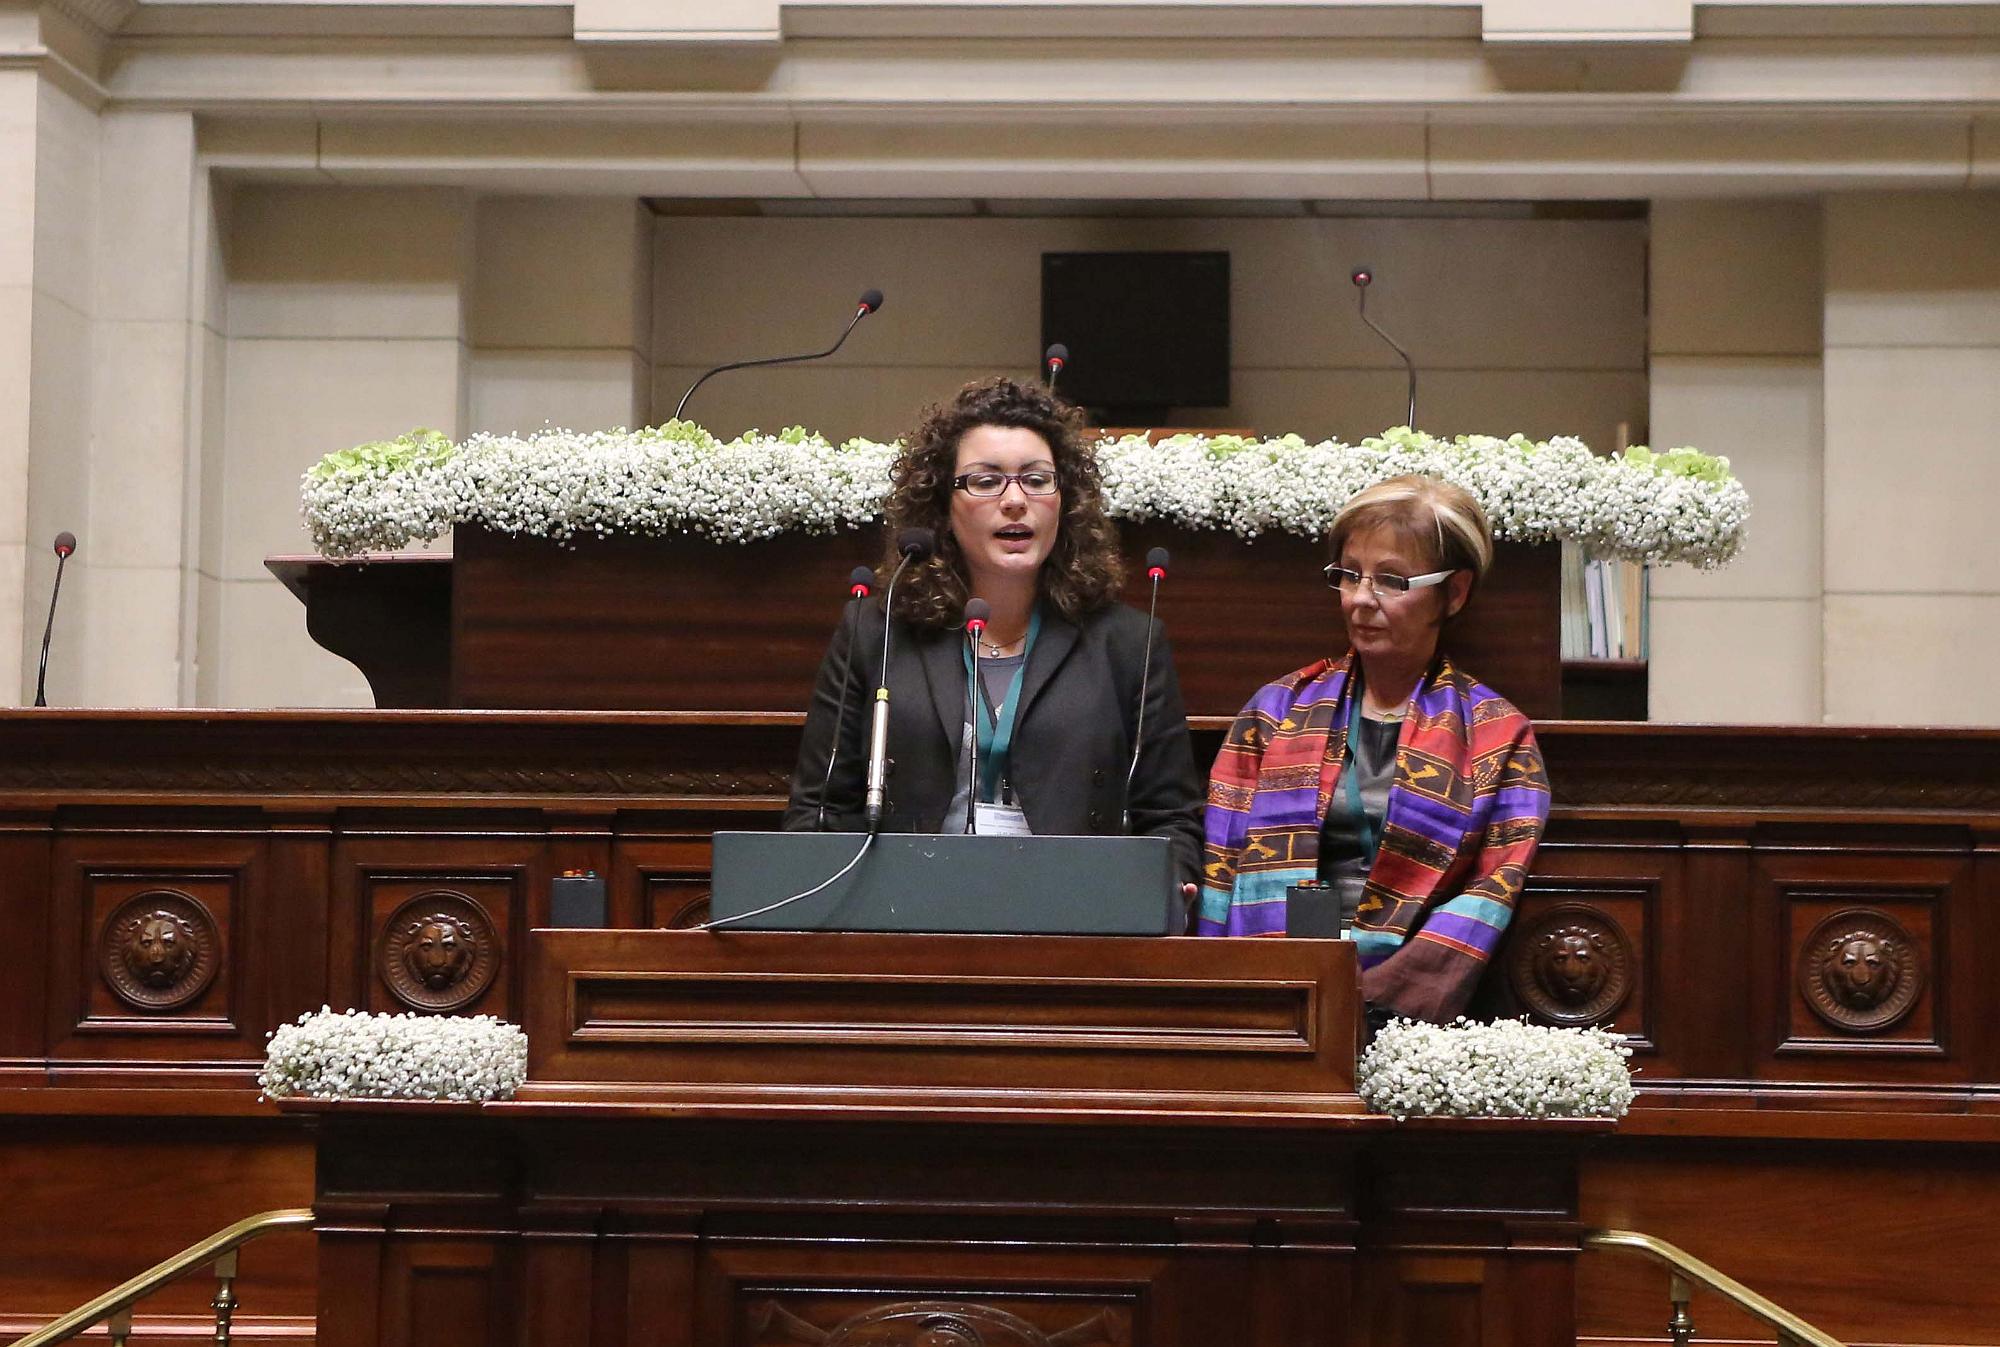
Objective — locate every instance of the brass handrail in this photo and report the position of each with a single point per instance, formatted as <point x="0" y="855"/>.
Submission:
<point x="1792" y="1331"/>
<point x="219" y="1248"/>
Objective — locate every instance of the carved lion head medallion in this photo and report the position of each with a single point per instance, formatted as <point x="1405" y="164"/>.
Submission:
<point x="159" y="950"/>
<point x="1858" y="970"/>
<point x="1571" y="965"/>
<point x="439" y="951"/>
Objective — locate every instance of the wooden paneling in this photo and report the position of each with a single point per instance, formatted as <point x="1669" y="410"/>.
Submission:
<point x="1034" y="1021"/>
<point x="25" y="847"/>
<point x="827" y="1226"/>
<point x="650" y="623"/>
<point x="1854" y="952"/>
<point x="660" y="882"/>
<point x="150" y="959"/>
<point x="435" y="923"/>
<point x="1873" y="1243"/>
<point x="86" y="1202"/>
<point x="1714" y="853"/>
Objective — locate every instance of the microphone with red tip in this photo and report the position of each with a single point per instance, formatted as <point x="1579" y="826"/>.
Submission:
<point x="1054" y="361"/>
<point x="1156" y="571"/>
<point x="1362" y="278"/>
<point x="65" y="544"/>
<point x="915" y="545"/>
<point x="870" y="302"/>
<point x="978" y="612"/>
<point x="860" y="584"/>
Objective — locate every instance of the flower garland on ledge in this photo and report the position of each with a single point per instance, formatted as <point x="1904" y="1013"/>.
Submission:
<point x="355" y="1055"/>
<point x="1508" y="1069"/>
<point x="1677" y="506"/>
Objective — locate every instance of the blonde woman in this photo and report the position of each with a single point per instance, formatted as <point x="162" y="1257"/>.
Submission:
<point x="1388" y="772"/>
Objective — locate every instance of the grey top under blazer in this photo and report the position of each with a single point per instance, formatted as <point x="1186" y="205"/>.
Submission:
<point x="1072" y="737"/>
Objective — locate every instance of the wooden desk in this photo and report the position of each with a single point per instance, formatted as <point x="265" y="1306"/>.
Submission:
<point x="1704" y="857"/>
<point x="760" y="1139"/>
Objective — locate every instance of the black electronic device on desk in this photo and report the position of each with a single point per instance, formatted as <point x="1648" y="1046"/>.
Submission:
<point x="962" y="884"/>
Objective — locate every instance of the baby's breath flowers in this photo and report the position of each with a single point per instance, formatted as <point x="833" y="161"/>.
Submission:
<point x="1677" y="506"/>
<point x="1508" y="1069"/>
<point x="356" y="1055"/>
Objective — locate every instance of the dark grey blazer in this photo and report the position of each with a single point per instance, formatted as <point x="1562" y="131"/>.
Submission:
<point x="1072" y="736"/>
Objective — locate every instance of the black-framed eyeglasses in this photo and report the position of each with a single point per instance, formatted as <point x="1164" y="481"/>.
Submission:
<point x="987" y="482"/>
<point x="1382" y="582"/>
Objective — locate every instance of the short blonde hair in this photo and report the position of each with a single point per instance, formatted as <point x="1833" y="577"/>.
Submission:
<point x="1442" y="520"/>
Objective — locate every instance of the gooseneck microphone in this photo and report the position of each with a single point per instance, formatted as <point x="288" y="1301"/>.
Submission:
<point x="1156" y="571"/>
<point x="1362" y="279"/>
<point x="860" y="584"/>
<point x="870" y="301"/>
<point x="65" y="544"/>
<point x="1054" y="361"/>
<point x="915" y="544"/>
<point x="978" y="613"/>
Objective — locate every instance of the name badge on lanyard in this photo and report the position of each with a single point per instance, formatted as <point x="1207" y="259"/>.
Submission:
<point x="996" y="732"/>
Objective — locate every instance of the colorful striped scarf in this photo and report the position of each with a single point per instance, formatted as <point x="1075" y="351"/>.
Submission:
<point x="1465" y="812"/>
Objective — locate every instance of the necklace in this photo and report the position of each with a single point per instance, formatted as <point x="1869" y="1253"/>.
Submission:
<point x="996" y="649"/>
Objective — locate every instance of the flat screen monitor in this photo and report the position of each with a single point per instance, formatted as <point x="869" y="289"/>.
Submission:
<point x="1146" y="331"/>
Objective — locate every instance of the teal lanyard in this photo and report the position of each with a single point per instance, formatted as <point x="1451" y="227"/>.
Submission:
<point x="996" y="734"/>
<point x="1350" y="772"/>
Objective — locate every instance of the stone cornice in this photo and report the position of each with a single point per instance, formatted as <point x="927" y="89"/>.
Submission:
<point x="101" y="17"/>
<point x="670" y="22"/>
<point x="889" y="98"/>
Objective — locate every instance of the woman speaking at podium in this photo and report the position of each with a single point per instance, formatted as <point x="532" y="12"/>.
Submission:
<point x="1002" y="480"/>
<point x="1390" y="774"/>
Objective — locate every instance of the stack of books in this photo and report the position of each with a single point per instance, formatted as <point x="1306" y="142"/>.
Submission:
<point x="1603" y="607"/>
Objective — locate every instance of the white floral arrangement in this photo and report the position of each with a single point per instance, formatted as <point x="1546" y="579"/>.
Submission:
<point x="1677" y="506"/>
<point x="1508" y="1069"/>
<point x="352" y="1054"/>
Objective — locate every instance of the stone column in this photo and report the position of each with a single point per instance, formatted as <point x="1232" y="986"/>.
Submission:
<point x="17" y="303"/>
<point x="1912" y="458"/>
<point x="345" y="323"/>
<point x="49" y="299"/>
<point x="1735" y="369"/>
<point x="148" y="368"/>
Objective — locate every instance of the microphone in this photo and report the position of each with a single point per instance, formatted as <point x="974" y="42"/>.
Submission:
<point x="1054" y="361"/>
<point x="870" y="302"/>
<point x="860" y="584"/>
<point x="1156" y="571"/>
<point x="1362" y="278"/>
<point x="915" y="544"/>
<point x="65" y="544"/>
<point x="977" y="613"/>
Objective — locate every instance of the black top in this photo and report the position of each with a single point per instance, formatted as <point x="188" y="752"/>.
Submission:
<point x="1343" y="845"/>
<point x="1072" y="737"/>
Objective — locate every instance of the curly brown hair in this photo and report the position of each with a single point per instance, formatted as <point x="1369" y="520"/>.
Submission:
<point x="1083" y="572"/>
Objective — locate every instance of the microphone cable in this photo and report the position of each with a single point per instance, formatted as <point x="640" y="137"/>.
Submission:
<point x="867" y="841"/>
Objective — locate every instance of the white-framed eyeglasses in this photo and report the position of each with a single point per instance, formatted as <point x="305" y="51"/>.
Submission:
<point x="1383" y="583"/>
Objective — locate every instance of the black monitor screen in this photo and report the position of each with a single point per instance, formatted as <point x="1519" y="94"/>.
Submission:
<point x="1146" y="331"/>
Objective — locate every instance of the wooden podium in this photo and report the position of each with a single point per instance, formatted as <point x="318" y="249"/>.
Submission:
<point x="755" y="1139"/>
